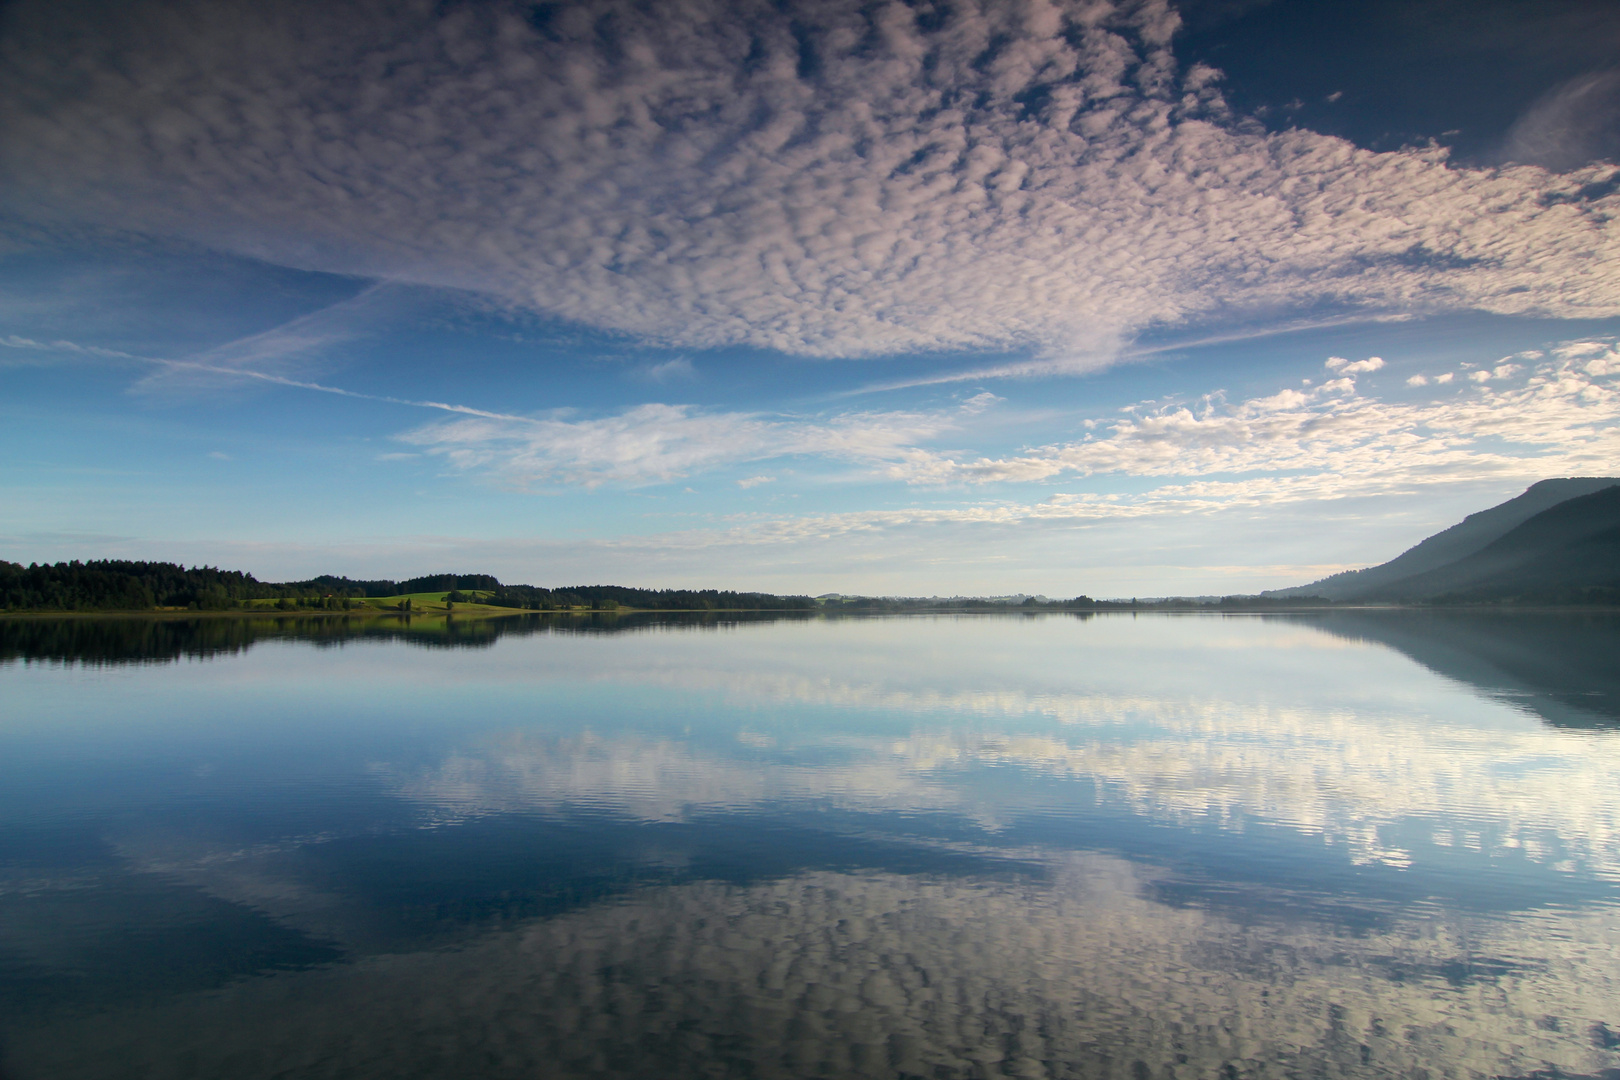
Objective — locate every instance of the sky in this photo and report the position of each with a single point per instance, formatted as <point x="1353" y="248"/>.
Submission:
<point x="904" y="298"/>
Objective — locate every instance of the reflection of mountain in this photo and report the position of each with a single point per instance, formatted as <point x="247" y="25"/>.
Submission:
<point x="142" y="639"/>
<point x="1561" y="666"/>
<point x="1560" y="536"/>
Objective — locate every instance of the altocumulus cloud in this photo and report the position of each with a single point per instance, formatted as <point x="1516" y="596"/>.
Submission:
<point x="1334" y="441"/>
<point x="820" y="177"/>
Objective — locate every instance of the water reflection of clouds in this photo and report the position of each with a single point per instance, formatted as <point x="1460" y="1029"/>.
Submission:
<point x="1084" y="965"/>
<point x="652" y="780"/>
<point x="1345" y="773"/>
<point x="881" y="974"/>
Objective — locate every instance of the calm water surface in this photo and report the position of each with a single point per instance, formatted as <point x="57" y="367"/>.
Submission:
<point x="1132" y="847"/>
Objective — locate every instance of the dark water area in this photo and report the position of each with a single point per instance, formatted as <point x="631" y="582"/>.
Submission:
<point x="1339" y="844"/>
<point x="144" y="638"/>
<point x="1562" y="665"/>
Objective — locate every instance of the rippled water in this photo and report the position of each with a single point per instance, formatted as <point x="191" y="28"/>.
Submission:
<point x="1374" y="844"/>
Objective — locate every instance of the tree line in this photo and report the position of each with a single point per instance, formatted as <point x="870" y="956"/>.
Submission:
<point x="125" y="585"/>
<point x="128" y="585"/>
<point x="612" y="597"/>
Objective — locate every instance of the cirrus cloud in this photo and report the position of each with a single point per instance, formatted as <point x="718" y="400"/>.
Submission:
<point x="657" y="443"/>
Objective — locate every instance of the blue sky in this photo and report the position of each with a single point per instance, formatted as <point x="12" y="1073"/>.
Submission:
<point x="1115" y="298"/>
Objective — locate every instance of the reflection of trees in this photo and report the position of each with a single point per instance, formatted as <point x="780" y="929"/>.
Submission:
<point x="149" y="640"/>
<point x="607" y="622"/>
<point x="1560" y="665"/>
<point x="113" y="641"/>
<point x="139" y="639"/>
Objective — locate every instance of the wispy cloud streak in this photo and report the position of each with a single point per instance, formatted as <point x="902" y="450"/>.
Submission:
<point x="168" y="365"/>
<point x="656" y="443"/>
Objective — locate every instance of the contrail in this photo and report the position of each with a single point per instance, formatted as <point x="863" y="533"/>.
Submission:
<point x="15" y="342"/>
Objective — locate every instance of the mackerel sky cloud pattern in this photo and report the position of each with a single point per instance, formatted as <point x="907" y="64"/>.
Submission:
<point x="826" y="179"/>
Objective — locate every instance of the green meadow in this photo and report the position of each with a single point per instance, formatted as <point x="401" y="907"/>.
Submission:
<point x="420" y="602"/>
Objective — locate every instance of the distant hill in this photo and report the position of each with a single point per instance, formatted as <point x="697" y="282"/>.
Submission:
<point x="1469" y="537"/>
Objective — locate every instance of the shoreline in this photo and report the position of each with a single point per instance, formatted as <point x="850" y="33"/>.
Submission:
<point x="483" y="612"/>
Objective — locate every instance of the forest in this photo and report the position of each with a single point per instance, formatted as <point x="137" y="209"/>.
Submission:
<point x="123" y="585"/>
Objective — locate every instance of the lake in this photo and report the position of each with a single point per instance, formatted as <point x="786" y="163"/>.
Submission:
<point x="1347" y="844"/>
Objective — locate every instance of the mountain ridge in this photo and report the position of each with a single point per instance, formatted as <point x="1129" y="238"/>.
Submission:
<point x="1575" y="544"/>
<point x="1473" y="534"/>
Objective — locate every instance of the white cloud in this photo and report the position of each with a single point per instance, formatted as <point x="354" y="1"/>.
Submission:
<point x="1346" y="367"/>
<point x="1573" y="123"/>
<point x="1332" y="441"/>
<point x="1418" y="380"/>
<point x="669" y="370"/>
<point x="755" y="481"/>
<point x="830" y="178"/>
<point x="1320" y="442"/>
<point x="1443" y="379"/>
<point x="979" y="402"/>
<point x="658" y="443"/>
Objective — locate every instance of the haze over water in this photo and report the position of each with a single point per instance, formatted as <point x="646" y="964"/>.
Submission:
<point x="1339" y="845"/>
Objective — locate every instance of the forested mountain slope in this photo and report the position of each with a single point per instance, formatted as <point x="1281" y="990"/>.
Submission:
<point x="1569" y="553"/>
<point x="1472" y="534"/>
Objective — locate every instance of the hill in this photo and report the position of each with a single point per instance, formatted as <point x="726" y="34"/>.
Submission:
<point x="1566" y="553"/>
<point x="1471" y="535"/>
